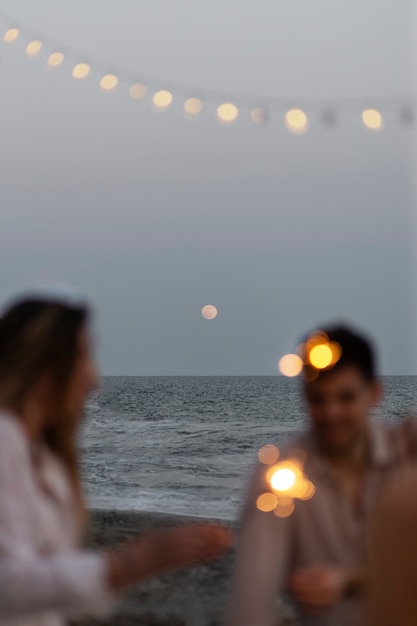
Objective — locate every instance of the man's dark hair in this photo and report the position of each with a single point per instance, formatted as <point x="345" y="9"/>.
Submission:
<point x="356" y="351"/>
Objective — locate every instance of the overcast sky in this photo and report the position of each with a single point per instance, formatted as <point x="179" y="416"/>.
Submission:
<point x="153" y="216"/>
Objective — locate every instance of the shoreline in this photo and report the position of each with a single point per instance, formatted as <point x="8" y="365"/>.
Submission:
<point x="192" y="597"/>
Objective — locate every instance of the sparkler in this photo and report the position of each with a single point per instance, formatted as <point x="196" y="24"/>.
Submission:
<point x="286" y="482"/>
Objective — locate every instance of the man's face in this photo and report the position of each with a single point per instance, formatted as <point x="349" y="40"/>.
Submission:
<point x="339" y="404"/>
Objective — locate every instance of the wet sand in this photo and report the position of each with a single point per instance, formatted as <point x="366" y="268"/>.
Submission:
<point x="192" y="597"/>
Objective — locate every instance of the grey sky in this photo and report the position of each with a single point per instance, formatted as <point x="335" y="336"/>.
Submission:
<point x="154" y="216"/>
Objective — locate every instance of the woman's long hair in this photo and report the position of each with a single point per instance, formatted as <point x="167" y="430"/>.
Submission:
<point x="37" y="337"/>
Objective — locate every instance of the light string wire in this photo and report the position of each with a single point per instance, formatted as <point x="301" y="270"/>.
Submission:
<point x="228" y="103"/>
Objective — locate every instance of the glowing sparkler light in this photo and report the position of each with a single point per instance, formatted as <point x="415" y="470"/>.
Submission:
<point x="283" y="479"/>
<point x="109" y="82"/>
<point x="55" y="59"/>
<point x="33" y="48"/>
<point x="162" y="99"/>
<point x="227" y="112"/>
<point x="319" y="352"/>
<point x="193" y="107"/>
<point x="81" y="70"/>
<point x="268" y="454"/>
<point x="320" y="356"/>
<point x="266" y="502"/>
<point x="137" y="91"/>
<point x="287" y="482"/>
<point x="11" y="35"/>
<point x="296" y="121"/>
<point x="372" y="119"/>
<point x="284" y="508"/>
<point x="290" y="365"/>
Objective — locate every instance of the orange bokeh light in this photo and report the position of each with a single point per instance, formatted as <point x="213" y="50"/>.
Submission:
<point x="268" y="454"/>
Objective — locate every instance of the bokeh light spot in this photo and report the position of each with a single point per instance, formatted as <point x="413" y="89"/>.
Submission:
<point x="308" y="491"/>
<point x="109" y="82"/>
<point x="372" y="119"/>
<point x="55" y="59"/>
<point x="162" y="99"/>
<point x="320" y="356"/>
<point x="11" y="35"/>
<point x="299" y="455"/>
<point x="81" y="70"/>
<point x="138" y="91"/>
<point x="284" y="509"/>
<point x="296" y="121"/>
<point x="282" y="479"/>
<point x="258" y="115"/>
<point x="268" y="454"/>
<point x="266" y="502"/>
<point x="34" y="47"/>
<point x="336" y="351"/>
<point x="227" y="112"/>
<point x="193" y="107"/>
<point x="290" y="365"/>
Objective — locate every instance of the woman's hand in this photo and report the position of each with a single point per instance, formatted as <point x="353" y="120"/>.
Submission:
<point x="165" y="550"/>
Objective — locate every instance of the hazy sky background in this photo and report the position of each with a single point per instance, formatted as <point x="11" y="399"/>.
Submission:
<point x="153" y="216"/>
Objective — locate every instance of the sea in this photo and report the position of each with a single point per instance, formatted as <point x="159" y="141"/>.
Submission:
<point x="185" y="445"/>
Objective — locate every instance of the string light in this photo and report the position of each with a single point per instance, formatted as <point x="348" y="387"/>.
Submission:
<point x="193" y="107"/>
<point x="81" y="70"/>
<point x="258" y="115"/>
<point x="328" y="117"/>
<point x="109" y="82"/>
<point x="11" y="35"/>
<point x="138" y="91"/>
<point x="407" y="115"/>
<point x="296" y="119"/>
<point x="227" y="112"/>
<point x="33" y="48"/>
<point x="372" y="119"/>
<point x="162" y="99"/>
<point x="55" y="59"/>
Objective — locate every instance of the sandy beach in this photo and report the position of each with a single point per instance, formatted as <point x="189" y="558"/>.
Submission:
<point x="192" y="597"/>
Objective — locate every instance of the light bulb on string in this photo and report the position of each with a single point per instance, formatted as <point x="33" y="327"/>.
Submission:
<point x="162" y="100"/>
<point x="328" y="118"/>
<point x="407" y="115"/>
<point x="296" y="121"/>
<point x="34" y="47"/>
<point x="193" y="107"/>
<point x="259" y="116"/>
<point x="55" y="59"/>
<point x="11" y="35"/>
<point x="81" y="70"/>
<point x="372" y="119"/>
<point x="109" y="82"/>
<point x="137" y="91"/>
<point x="227" y="112"/>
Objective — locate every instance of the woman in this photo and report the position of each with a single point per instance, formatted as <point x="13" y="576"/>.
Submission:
<point x="46" y="373"/>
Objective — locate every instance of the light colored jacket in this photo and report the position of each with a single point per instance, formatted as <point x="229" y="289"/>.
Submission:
<point x="44" y="576"/>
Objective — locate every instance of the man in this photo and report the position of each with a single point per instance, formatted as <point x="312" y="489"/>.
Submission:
<point x="318" y="553"/>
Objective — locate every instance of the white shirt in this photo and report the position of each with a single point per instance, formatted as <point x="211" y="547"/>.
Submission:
<point x="44" y="576"/>
<point x="322" y="531"/>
